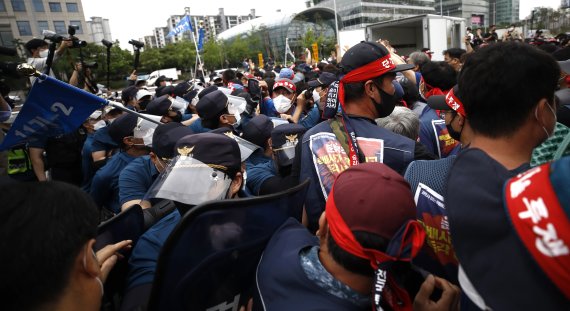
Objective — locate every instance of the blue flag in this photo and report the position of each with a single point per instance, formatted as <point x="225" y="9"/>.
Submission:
<point x="182" y="26"/>
<point x="53" y="108"/>
<point x="201" y="33"/>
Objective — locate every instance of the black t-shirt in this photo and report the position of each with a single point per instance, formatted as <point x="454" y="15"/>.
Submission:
<point x="488" y="249"/>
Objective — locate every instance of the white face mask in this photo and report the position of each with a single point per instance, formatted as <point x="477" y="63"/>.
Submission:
<point x="548" y="135"/>
<point x="316" y="96"/>
<point x="99" y="125"/>
<point x="282" y="104"/>
<point x="44" y="53"/>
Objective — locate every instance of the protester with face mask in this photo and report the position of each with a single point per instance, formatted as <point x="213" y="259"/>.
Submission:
<point x="143" y="98"/>
<point x="137" y="177"/>
<point x="38" y="50"/>
<point x="512" y="34"/>
<point x="506" y="126"/>
<point x="52" y="226"/>
<point x="428" y="179"/>
<point x="207" y="166"/>
<point x="105" y="183"/>
<point x="317" y="97"/>
<point x="365" y="93"/>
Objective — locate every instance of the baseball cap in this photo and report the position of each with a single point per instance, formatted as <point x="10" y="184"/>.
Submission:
<point x="210" y="105"/>
<point x="385" y="201"/>
<point x="364" y="53"/>
<point x="325" y="79"/>
<point x="218" y="151"/>
<point x="207" y="91"/>
<point x="159" y="106"/>
<point x="182" y="88"/>
<point x="142" y="93"/>
<point x="123" y="127"/>
<point x="284" y="138"/>
<point x="161" y="79"/>
<point x="166" y="136"/>
<point x="451" y="101"/>
<point x="258" y="130"/>
<point x="285" y="83"/>
<point x="286" y="73"/>
<point x="164" y="90"/>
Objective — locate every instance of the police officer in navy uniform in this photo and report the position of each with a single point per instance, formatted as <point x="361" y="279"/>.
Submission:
<point x="213" y="110"/>
<point x="219" y="152"/>
<point x="105" y="183"/>
<point x="368" y="94"/>
<point x="283" y="171"/>
<point x="138" y="176"/>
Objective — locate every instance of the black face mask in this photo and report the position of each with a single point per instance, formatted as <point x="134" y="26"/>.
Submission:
<point x="143" y="104"/>
<point x="386" y="105"/>
<point x="453" y="133"/>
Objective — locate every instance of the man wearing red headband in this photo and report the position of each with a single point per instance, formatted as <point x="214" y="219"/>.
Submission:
<point x="361" y="256"/>
<point x="365" y="93"/>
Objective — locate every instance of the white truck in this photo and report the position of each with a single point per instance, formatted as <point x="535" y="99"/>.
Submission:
<point x="407" y="35"/>
<point x="171" y="73"/>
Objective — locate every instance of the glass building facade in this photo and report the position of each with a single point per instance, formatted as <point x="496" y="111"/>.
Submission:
<point x="273" y="30"/>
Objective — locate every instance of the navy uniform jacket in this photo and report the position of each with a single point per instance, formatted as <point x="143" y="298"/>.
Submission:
<point x="259" y="168"/>
<point x="136" y="179"/>
<point x="323" y="158"/>
<point x="281" y="281"/>
<point x="143" y="260"/>
<point x="105" y="184"/>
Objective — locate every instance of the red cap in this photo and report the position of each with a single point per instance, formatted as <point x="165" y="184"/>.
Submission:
<point x="371" y="197"/>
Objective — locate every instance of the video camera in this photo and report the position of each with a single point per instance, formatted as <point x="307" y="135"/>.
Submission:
<point x="71" y="29"/>
<point x="106" y="43"/>
<point x="136" y="44"/>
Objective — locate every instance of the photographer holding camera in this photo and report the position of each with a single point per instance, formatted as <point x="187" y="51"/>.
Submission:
<point x="38" y="50"/>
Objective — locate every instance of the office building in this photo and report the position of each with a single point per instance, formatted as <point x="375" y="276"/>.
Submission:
<point x="99" y="29"/>
<point x="358" y="14"/>
<point x="26" y="19"/>
<point x="504" y="12"/>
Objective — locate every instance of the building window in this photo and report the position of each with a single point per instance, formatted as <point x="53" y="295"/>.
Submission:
<point x="2" y="6"/>
<point x="24" y="28"/>
<point x="6" y="37"/>
<point x="59" y="27"/>
<point x="55" y="7"/>
<point x="18" y="6"/>
<point x="43" y="25"/>
<point x="77" y="23"/>
<point x="38" y="6"/>
<point x="72" y="7"/>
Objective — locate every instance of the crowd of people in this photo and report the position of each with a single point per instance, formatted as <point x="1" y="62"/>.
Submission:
<point x="433" y="185"/>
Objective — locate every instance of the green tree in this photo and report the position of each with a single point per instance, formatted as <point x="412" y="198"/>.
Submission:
<point x="212" y="55"/>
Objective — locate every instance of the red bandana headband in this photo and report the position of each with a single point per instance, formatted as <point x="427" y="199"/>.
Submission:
<point x="541" y="223"/>
<point x="432" y="90"/>
<point x="369" y="71"/>
<point x="404" y="246"/>
<point x="285" y="84"/>
<point x="454" y="103"/>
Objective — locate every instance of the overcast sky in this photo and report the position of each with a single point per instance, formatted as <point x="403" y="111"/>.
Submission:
<point x="133" y="19"/>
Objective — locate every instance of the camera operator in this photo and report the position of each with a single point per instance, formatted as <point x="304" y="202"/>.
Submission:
<point x="83" y="78"/>
<point x="38" y="50"/>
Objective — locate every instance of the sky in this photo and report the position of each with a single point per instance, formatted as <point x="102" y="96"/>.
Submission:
<point x="134" y="19"/>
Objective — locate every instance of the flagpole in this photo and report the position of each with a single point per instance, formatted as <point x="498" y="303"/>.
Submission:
<point x="127" y="110"/>
<point x="286" y="45"/>
<point x="196" y="46"/>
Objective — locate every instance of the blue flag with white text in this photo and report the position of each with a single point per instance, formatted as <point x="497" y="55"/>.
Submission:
<point x="182" y="26"/>
<point x="52" y="108"/>
<point x="201" y="34"/>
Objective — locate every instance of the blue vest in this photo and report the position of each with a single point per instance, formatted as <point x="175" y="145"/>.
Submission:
<point x="281" y="281"/>
<point x="323" y="158"/>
